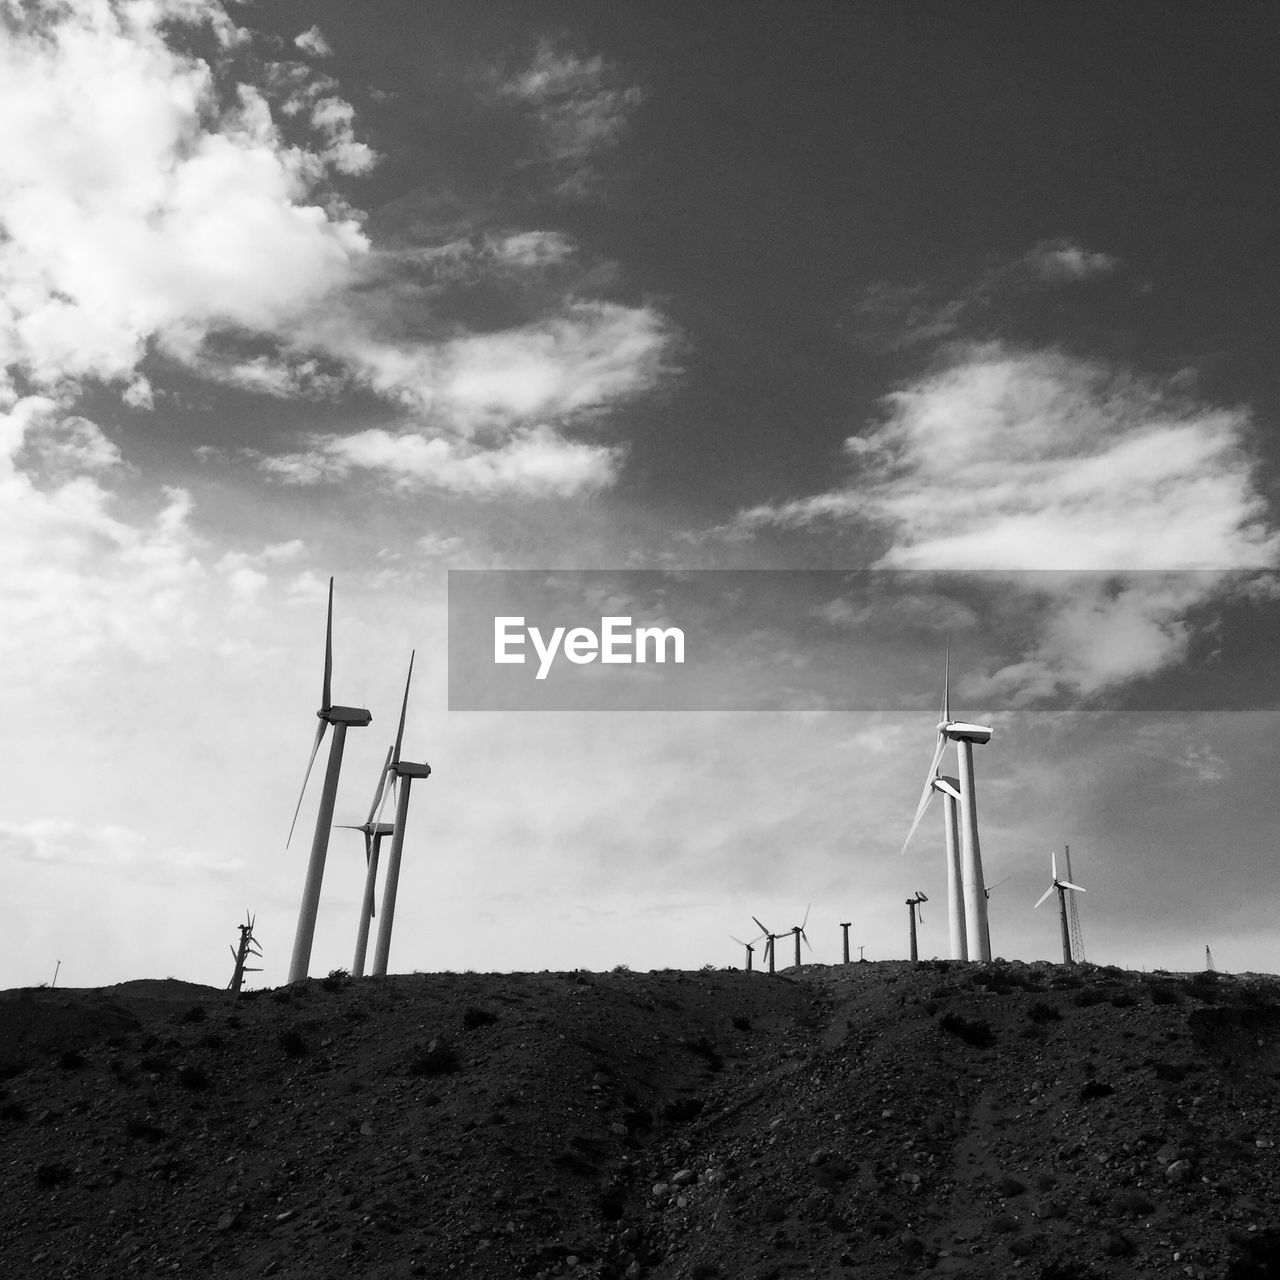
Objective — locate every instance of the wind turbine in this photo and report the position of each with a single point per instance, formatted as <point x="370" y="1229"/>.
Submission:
<point x="769" y="935"/>
<point x="1061" y="886"/>
<point x="797" y="931"/>
<point x="373" y="833"/>
<point x="750" y="946"/>
<point x="964" y="735"/>
<point x="403" y="772"/>
<point x="340" y="718"/>
<point x="986" y="893"/>
<point x="912" y="905"/>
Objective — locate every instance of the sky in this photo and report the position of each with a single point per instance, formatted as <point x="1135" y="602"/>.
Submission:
<point x="900" y="294"/>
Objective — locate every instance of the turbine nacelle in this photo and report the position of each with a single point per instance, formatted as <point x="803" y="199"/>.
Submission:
<point x="962" y="731"/>
<point x="1057" y="884"/>
<point x="406" y="769"/>
<point x="357" y="716"/>
<point x="948" y="786"/>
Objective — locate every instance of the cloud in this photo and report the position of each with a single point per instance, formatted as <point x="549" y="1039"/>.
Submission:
<point x="1010" y="459"/>
<point x="1064" y="261"/>
<point x="579" y="108"/>
<point x="489" y="410"/>
<point x="153" y="212"/>
<point x="312" y="42"/>
<point x="534" y="462"/>
<point x="140" y="199"/>
<point x="111" y="847"/>
<point x="888" y="317"/>
<point x="78" y="576"/>
<point x="1017" y="459"/>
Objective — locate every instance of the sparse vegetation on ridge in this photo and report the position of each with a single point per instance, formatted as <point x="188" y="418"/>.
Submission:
<point x="876" y="1120"/>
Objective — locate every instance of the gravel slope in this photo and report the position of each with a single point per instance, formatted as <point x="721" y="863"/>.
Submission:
<point x="869" y="1121"/>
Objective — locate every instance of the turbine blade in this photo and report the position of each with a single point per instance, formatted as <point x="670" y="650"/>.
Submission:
<point x="382" y="782"/>
<point x="315" y="746"/>
<point x="739" y="941"/>
<point x="946" y="685"/>
<point x="805" y="936"/>
<point x="326" y="700"/>
<point x="1066" y="884"/>
<point x="764" y="930"/>
<point x="805" y="921"/>
<point x="404" y="706"/>
<point x="1045" y="894"/>
<point x="386" y="794"/>
<point x="927" y="793"/>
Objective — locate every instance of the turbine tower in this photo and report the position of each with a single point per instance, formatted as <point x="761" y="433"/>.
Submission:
<point x="1061" y="886"/>
<point x="797" y="931"/>
<point x="402" y="772"/>
<point x="964" y="734"/>
<point x="912" y="905"/>
<point x="750" y="946"/>
<point x="769" y="937"/>
<point x="373" y="834"/>
<point x="340" y="718"/>
<point x="986" y="893"/>
<point x="1073" y="917"/>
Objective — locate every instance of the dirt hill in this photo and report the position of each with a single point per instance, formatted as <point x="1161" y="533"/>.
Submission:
<point x="869" y="1121"/>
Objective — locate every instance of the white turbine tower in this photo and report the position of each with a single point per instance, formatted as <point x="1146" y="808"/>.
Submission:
<point x="402" y="772"/>
<point x="1061" y="886"/>
<point x="966" y="898"/>
<point x="374" y="832"/>
<point x="340" y="718"/>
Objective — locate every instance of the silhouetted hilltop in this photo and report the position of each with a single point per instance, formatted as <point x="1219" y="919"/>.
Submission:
<point x="870" y="1120"/>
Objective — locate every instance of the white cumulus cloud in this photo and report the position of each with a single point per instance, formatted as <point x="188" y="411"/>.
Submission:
<point x="1009" y="459"/>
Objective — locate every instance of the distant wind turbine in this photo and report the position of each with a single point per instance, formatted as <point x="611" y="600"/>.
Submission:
<point x="373" y="834"/>
<point x="340" y="718"/>
<point x="913" y="905"/>
<point x="797" y="931"/>
<point x="769" y="936"/>
<point x="986" y="893"/>
<point x="1061" y="886"/>
<point x="964" y="735"/>
<point x="750" y="946"/>
<point x="403" y="773"/>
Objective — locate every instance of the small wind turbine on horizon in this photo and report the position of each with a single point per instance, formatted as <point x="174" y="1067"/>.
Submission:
<point x="913" y="905"/>
<point x="797" y="931"/>
<point x="750" y="946"/>
<point x="373" y="831"/>
<point x="402" y="773"/>
<point x="987" y="894"/>
<point x="1061" y="886"/>
<point x="966" y="896"/>
<point x="770" y="936"/>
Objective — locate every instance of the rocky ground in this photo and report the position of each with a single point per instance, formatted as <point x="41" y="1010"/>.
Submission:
<point x="869" y="1120"/>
